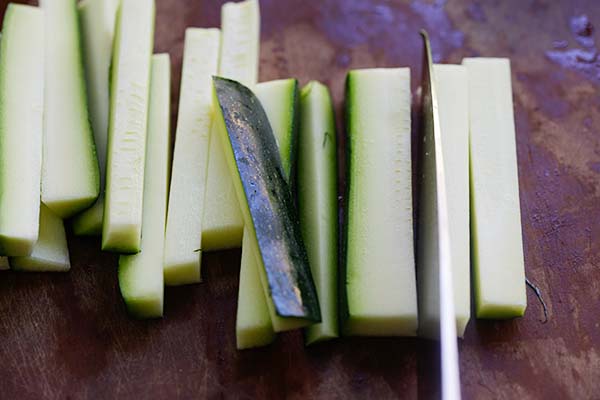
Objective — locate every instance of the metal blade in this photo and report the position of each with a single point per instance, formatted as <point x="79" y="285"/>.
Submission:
<point x="433" y="217"/>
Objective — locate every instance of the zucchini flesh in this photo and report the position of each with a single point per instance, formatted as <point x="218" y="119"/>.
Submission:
<point x="254" y="325"/>
<point x="70" y="175"/>
<point x="222" y="223"/>
<point x="97" y="20"/>
<point x="452" y="95"/>
<point x="497" y="246"/>
<point x="141" y="275"/>
<point x="268" y="209"/>
<point x="317" y="202"/>
<point x="50" y="253"/>
<point x="21" y="128"/>
<point x="183" y="242"/>
<point x="380" y="290"/>
<point x="4" y="264"/>
<point x="130" y="81"/>
<point x="279" y="99"/>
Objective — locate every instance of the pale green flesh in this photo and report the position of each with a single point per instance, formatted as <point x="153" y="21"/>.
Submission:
<point x="97" y="19"/>
<point x="50" y="253"/>
<point x="252" y="265"/>
<point x="134" y="40"/>
<point x="141" y="275"/>
<point x="70" y="175"/>
<point x="256" y="315"/>
<point x="380" y="267"/>
<point x="253" y="326"/>
<point x="317" y="202"/>
<point x="89" y="222"/>
<point x="452" y="94"/>
<point x="186" y="199"/>
<point x="21" y="128"/>
<point x="497" y="246"/>
<point x="278" y="99"/>
<point x="222" y="223"/>
<point x="4" y="264"/>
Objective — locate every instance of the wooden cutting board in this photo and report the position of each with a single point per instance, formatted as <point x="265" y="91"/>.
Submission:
<point x="68" y="336"/>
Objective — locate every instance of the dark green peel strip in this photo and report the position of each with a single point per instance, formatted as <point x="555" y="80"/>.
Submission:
<point x="268" y="200"/>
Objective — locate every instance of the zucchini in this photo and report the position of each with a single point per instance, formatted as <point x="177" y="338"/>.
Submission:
<point x="317" y="202"/>
<point x="379" y="297"/>
<point x="452" y="99"/>
<point x="141" y="275"/>
<point x="254" y="327"/>
<point x="268" y="209"/>
<point x="279" y="99"/>
<point x="130" y="79"/>
<point x="496" y="241"/>
<point x="183" y="240"/>
<point x="21" y="128"/>
<point x="97" y="21"/>
<point x="222" y="224"/>
<point x="50" y="253"/>
<point x="70" y="175"/>
<point x="4" y="264"/>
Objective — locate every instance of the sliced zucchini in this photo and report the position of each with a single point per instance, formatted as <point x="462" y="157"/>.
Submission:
<point x="317" y="202"/>
<point x="134" y="38"/>
<point x="50" y="253"/>
<point x="183" y="242"/>
<point x="452" y="96"/>
<point x="141" y="275"/>
<point x="70" y="175"/>
<point x="254" y="327"/>
<point x="21" y="128"/>
<point x="240" y="46"/>
<point x="222" y="225"/>
<point x="4" y="264"/>
<point x="380" y="297"/>
<point x="496" y="238"/>
<point x="253" y="158"/>
<point x="97" y="20"/>
<point x="280" y="101"/>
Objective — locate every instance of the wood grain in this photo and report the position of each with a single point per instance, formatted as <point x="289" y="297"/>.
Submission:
<point x="68" y="336"/>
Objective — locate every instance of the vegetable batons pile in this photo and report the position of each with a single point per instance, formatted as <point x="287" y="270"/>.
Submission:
<point x="50" y="168"/>
<point x="254" y="166"/>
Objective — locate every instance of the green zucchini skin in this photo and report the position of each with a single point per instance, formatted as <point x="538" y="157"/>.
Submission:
<point x="267" y="201"/>
<point x="343" y="309"/>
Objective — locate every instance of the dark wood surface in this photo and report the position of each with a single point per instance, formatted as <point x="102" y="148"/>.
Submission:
<point x="68" y="336"/>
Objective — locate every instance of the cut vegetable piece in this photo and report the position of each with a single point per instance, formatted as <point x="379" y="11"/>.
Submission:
<point x="50" y="253"/>
<point x="452" y="88"/>
<point x="21" y="128"/>
<point x="183" y="244"/>
<point x="97" y="20"/>
<point x="134" y="40"/>
<point x="70" y="175"/>
<point x="222" y="225"/>
<point x="253" y="326"/>
<point x="252" y="156"/>
<point x="240" y="23"/>
<point x="317" y="202"/>
<point x="497" y="246"/>
<point x="141" y="275"/>
<point x="280" y="101"/>
<point x="380" y="296"/>
<point x="4" y="264"/>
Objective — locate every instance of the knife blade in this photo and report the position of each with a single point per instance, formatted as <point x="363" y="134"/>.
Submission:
<point x="434" y="251"/>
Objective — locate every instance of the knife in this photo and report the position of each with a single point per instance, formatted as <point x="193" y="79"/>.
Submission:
<point x="434" y="228"/>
